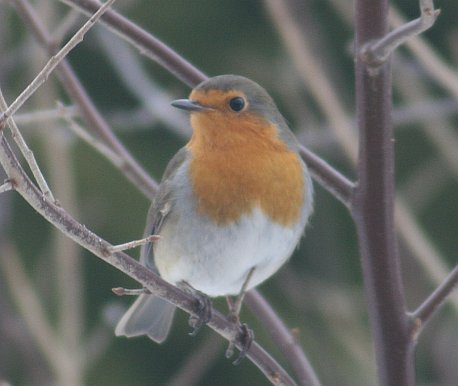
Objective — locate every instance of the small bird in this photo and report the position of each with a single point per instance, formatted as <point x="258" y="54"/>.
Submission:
<point x="232" y="203"/>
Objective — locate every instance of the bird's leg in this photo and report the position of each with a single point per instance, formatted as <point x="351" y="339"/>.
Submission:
<point x="235" y="307"/>
<point x="246" y="334"/>
<point x="203" y="308"/>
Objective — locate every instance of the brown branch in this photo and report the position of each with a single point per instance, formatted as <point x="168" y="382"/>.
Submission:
<point x="52" y="63"/>
<point x="432" y="304"/>
<point x="374" y="206"/>
<point x="284" y="339"/>
<point x="328" y="177"/>
<point x="130" y="167"/>
<point x="6" y="187"/>
<point x="25" y="150"/>
<point x="58" y="217"/>
<point x="377" y="52"/>
<point x="146" y="43"/>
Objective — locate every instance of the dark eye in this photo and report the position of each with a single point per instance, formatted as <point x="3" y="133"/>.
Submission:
<point x="237" y="104"/>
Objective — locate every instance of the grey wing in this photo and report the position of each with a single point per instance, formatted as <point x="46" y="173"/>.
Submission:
<point x="150" y="315"/>
<point x="161" y="206"/>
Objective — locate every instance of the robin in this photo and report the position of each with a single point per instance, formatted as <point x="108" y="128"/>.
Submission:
<point x="232" y="203"/>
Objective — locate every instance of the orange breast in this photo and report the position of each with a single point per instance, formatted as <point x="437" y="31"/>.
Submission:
<point x="235" y="169"/>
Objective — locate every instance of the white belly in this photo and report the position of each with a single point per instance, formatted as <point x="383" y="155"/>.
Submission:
<point x="216" y="259"/>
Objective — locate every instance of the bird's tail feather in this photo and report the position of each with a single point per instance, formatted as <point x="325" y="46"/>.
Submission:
<point x="149" y="315"/>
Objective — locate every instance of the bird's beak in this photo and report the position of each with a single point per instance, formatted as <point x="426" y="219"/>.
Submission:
<point x="189" y="105"/>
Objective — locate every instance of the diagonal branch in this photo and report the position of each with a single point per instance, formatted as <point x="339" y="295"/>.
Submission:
<point x="6" y="187"/>
<point x="58" y="217"/>
<point x="377" y="52"/>
<point x="52" y="63"/>
<point x="27" y="153"/>
<point x="130" y="167"/>
<point x="328" y="177"/>
<point x="146" y="43"/>
<point x="283" y="338"/>
<point x="432" y="304"/>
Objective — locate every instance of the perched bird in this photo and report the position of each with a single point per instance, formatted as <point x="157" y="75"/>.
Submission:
<point x="231" y="206"/>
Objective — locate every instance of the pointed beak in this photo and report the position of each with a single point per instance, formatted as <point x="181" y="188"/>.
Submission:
<point x="189" y="105"/>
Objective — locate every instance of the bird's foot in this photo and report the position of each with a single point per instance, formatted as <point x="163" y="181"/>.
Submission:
<point x="203" y="309"/>
<point x="246" y="338"/>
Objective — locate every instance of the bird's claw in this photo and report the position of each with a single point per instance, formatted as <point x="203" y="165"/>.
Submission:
<point x="203" y="313"/>
<point x="246" y="338"/>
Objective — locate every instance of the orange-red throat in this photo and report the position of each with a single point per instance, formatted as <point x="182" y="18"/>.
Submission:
<point x="239" y="163"/>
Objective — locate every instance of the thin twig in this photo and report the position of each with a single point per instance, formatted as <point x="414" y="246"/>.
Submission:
<point x="126" y="62"/>
<point x="130" y="167"/>
<point x="6" y="187"/>
<point x="53" y="62"/>
<point x="421" y="246"/>
<point x="432" y="304"/>
<point x="34" y="117"/>
<point x="147" y="44"/>
<point x="185" y="71"/>
<point x="283" y="338"/>
<point x="134" y="243"/>
<point x="377" y="52"/>
<point x="99" y="247"/>
<point x="445" y="75"/>
<point x="26" y="152"/>
<point x="120" y="291"/>
<point x="313" y="75"/>
<point x="328" y="177"/>
<point x="103" y="149"/>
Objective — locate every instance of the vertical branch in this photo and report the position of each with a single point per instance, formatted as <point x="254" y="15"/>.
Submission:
<point x="374" y="204"/>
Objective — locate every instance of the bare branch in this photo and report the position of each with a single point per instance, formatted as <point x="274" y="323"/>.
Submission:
<point x="126" y="62"/>
<point x="313" y="76"/>
<point x="190" y="75"/>
<point x="25" y="150"/>
<point x="52" y="63"/>
<point x="120" y="291"/>
<point x="444" y="74"/>
<point x="377" y="52"/>
<point x="373" y="206"/>
<point x="99" y="247"/>
<point x="130" y="167"/>
<point x="134" y="244"/>
<point x="432" y="304"/>
<point x="33" y="117"/>
<point x="283" y="338"/>
<point x="328" y="177"/>
<point x="103" y="149"/>
<point x="147" y="44"/>
<point x="6" y="187"/>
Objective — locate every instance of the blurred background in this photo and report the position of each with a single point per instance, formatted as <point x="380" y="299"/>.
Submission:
<point x="57" y="311"/>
